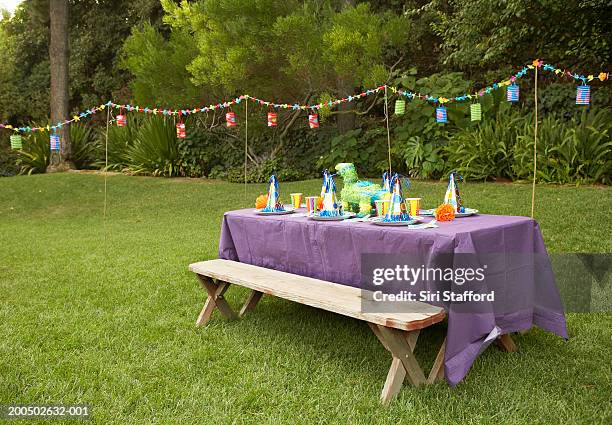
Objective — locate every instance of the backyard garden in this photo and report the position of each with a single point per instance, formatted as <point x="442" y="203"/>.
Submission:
<point x="163" y="161"/>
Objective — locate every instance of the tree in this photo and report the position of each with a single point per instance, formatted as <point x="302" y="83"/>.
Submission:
<point x="58" y="57"/>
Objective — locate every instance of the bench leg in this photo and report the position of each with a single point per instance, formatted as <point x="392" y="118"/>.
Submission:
<point x="215" y="299"/>
<point x="398" y="342"/>
<point x="251" y="302"/>
<point x="506" y="343"/>
<point x="437" y="370"/>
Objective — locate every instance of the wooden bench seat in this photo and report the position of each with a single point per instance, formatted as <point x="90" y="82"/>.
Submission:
<point x="398" y="332"/>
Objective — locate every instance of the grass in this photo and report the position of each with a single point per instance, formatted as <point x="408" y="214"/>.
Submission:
<point x="103" y="314"/>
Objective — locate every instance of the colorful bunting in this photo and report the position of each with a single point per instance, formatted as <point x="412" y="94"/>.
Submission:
<point x="510" y="83"/>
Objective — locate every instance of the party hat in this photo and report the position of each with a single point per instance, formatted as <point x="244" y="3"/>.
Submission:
<point x="330" y="202"/>
<point x="325" y="177"/>
<point x="452" y="192"/>
<point x="397" y="209"/>
<point x="274" y="203"/>
<point x="386" y="181"/>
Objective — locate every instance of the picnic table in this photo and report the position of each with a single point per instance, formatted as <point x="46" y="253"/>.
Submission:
<point x="331" y="251"/>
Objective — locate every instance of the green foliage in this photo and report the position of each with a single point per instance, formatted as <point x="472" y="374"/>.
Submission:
<point x="490" y="33"/>
<point x="84" y="145"/>
<point x="486" y="151"/>
<point x="8" y="161"/>
<point x="154" y="150"/>
<point x="423" y="160"/>
<point x="159" y="66"/>
<point x="119" y="139"/>
<point x="574" y="151"/>
<point x="367" y="150"/>
<point x="36" y="153"/>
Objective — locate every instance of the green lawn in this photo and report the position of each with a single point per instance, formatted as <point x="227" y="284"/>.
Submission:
<point x="103" y="314"/>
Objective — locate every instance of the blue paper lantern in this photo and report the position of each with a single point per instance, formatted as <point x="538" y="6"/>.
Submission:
<point x="583" y="95"/>
<point x="441" y="116"/>
<point x="512" y="93"/>
<point x="55" y="143"/>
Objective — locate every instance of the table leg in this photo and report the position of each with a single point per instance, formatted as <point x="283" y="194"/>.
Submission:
<point x="506" y="343"/>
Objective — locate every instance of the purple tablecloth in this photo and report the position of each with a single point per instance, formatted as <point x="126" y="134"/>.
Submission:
<point x="332" y="251"/>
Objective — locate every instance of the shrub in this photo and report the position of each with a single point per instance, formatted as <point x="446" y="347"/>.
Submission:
<point x="85" y="147"/>
<point x="574" y="151"/>
<point x="119" y="139"/>
<point x="8" y="162"/>
<point x="485" y="151"/>
<point x="35" y="155"/>
<point x="154" y="150"/>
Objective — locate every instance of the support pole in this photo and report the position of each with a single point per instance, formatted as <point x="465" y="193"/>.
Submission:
<point x="108" y="108"/>
<point x="246" y="145"/>
<point x="535" y="145"/>
<point x="388" y="132"/>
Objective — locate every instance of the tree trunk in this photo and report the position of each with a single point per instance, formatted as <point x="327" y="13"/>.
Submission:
<point x="58" y="57"/>
<point x="345" y="119"/>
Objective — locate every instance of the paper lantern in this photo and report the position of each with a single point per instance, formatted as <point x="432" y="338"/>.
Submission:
<point x="441" y="116"/>
<point x="313" y="120"/>
<point x="230" y="119"/>
<point x="512" y="93"/>
<point x="16" y="142"/>
<point x="583" y="95"/>
<point x="272" y="119"/>
<point x="55" y="143"/>
<point x="180" y="131"/>
<point x="121" y="120"/>
<point x="400" y="107"/>
<point x="476" y="112"/>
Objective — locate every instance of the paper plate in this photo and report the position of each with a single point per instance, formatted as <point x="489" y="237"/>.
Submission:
<point x="288" y="210"/>
<point x="413" y="220"/>
<point x="344" y="216"/>
<point x="468" y="212"/>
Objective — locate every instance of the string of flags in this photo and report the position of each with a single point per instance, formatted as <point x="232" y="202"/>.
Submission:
<point x="583" y="97"/>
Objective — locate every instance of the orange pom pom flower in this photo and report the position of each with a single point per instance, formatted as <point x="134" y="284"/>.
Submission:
<point x="445" y="212"/>
<point x="261" y="201"/>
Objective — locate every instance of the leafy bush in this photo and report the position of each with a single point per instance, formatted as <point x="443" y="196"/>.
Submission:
<point x="119" y="139"/>
<point x="154" y="151"/>
<point x="367" y="150"/>
<point x="424" y="160"/>
<point x="85" y="147"/>
<point x="35" y="155"/>
<point x="8" y="162"/>
<point x="485" y="151"/>
<point x="574" y="151"/>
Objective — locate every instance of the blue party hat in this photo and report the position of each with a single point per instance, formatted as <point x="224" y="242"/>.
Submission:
<point x="273" y="204"/>
<point x="330" y="201"/>
<point x="397" y="209"/>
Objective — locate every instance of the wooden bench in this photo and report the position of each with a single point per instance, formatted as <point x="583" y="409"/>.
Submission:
<point x="398" y="332"/>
